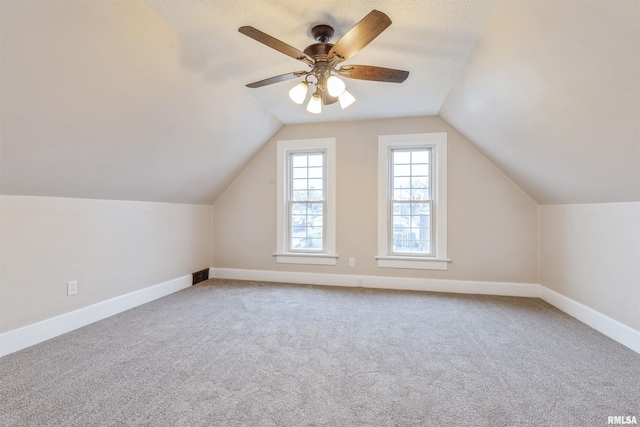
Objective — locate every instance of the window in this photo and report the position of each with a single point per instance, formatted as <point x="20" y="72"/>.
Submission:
<point x="412" y="202"/>
<point x="306" y="202"/>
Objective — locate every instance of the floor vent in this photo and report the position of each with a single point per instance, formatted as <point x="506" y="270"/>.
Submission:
<point x="200" y="276"/>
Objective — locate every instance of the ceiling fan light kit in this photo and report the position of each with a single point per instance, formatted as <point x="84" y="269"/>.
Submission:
<point x="299" y="92"/>
<point x="315" y="104"/>
<point x="323" y="57"/>
<point x="335" y="86"/>
<point x="332" y="85"/>
<point x="346" y="99"/>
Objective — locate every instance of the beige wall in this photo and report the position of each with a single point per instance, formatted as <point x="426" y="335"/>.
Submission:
<point x="492" y="224"/>
<point x="591" y="254"/>
<point x="110" y="247"/>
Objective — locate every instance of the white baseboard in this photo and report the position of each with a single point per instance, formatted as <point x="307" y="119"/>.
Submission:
<point x="381" y="282"/>
<point x="29" y="335"/>
<point x="615" y="330"/>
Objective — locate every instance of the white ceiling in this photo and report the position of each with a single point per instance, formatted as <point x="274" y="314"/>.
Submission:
<point x="430" y="39"/>
<point x="147" y="100"/>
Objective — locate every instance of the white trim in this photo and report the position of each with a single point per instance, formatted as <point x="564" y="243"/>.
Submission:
<point x="438" y="142"/>
<point x="283" y="150"/>
<point x="306" y="258"/>
<point x="35" y="333"/>
<point x="615" y="330"/>
<point x="421" y="263"/>
<point x="380" y="282"/>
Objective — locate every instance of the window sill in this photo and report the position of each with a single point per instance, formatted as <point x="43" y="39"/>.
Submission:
<point x="420" y="263"/>
<point x="310" y="259"/>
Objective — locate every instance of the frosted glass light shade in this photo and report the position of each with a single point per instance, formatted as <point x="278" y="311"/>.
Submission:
<point x="335" y="86"/>
<point x="299" y="92"/>
<point x="346" y="99"/>
<point x="315" y="104"/>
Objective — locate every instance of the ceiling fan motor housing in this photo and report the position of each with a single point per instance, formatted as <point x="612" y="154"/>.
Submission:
<point x="322" y="33"/>
<point x="319" y="51"/>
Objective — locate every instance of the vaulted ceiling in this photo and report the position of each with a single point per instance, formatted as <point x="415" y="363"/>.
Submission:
<point x="551" y="94"/>
<point x="147" y="100"/>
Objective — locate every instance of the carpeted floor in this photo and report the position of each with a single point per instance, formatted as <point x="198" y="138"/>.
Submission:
<point x="229" y="353"/>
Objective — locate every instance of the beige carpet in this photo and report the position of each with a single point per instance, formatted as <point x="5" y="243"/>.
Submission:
<point x="226" y="353"/>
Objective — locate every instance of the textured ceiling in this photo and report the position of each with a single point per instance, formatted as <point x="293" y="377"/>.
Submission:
<point x="430" y="39"/>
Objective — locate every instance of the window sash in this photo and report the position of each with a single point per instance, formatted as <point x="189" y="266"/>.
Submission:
<point x="304" y="237"/>
<point x="417" y="238"/>
<point x="303" y="181"/>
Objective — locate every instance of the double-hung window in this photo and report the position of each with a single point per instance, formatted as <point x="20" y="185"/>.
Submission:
<point x="412" y="202"/>
<point x="306" y="202"/>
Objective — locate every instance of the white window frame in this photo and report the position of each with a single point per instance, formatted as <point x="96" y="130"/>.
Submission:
<point x="283" y="254"/>
<point x="437" y="142"/>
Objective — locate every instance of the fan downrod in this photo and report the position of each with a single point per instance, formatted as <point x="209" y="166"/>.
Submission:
<point x="322" y="33"/>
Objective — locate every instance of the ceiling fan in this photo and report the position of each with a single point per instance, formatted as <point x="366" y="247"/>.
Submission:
<point x="323" y="58"/>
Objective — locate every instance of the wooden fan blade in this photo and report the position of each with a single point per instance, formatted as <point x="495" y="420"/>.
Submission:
<point x="276" y="44"/>
<point x="379" y="74"/>
<point x="276" y="79"/>
<point x="359" y="36"/>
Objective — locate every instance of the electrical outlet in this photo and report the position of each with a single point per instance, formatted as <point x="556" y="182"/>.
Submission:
<point x="72" y="287"/>
<point x="352" y="262"/>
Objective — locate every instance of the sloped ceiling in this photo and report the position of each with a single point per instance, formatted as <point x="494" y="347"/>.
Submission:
<point x="146" y="100"/>
<point x="551" y="95"/>
<point x="104" y="100"/>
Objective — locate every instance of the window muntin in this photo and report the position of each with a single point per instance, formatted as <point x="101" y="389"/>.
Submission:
<point x="411" y="202"/>
<point x="306" y="202"/>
